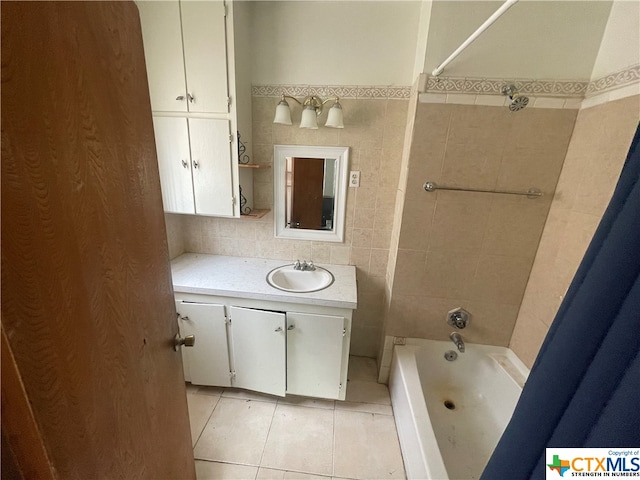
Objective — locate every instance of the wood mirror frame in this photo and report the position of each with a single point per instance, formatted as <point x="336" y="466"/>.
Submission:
<point x="280" y="189"/>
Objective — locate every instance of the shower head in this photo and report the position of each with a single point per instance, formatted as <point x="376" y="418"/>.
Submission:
<point x="518" y="102"/>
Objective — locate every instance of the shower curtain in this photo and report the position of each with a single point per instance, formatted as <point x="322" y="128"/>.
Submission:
<point x="584" y="387"/>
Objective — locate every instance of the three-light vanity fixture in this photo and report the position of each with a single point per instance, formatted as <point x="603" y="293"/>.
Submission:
<point x="311" y="110"/>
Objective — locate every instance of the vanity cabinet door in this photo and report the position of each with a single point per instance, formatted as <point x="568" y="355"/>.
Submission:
<point x="207" y="362"/>
<point x="315" y="355"/>
<point x="258" y="339"/>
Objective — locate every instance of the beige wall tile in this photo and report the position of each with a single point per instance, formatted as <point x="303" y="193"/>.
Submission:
<point x="514" y="225"/>
<point x="501" y="279"/>
<point x="595" y="156"/>
<point x="449" y="274"/>
<point x="528" y="335"/>
<point x="459" y="221"/>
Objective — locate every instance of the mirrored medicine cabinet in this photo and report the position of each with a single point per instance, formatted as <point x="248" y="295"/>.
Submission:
<point x="310" y="192"/>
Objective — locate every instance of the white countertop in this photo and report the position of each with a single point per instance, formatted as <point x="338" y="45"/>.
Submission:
<point x="246" y="278"/>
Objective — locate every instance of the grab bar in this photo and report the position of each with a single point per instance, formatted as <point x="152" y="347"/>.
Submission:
<point x="531" y="193"/>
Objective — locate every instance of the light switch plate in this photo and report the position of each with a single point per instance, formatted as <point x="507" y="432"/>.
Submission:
<point x="354" y="178"/>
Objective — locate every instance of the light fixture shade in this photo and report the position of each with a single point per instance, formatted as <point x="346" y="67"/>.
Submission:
<point x="283" y="113"/>
<point x="335" y="118"/>
<point x="309" y="118"/>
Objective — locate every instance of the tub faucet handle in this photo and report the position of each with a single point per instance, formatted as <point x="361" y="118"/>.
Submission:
<point x="458" y="318"/>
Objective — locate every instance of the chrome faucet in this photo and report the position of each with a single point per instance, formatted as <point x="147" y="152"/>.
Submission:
<point x="457" y="339"/>
<point x="304" y="266"/>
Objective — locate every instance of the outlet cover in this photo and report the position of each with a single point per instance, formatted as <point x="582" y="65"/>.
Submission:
<point x="354" y="178"/>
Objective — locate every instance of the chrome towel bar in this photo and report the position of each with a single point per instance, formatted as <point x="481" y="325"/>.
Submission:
<point x="531" y="193"/>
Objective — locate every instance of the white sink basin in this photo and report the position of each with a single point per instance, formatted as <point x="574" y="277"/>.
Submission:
<point x="288" y="279"/>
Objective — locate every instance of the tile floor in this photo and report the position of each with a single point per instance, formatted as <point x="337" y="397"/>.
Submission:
<point x="245" y="435"/>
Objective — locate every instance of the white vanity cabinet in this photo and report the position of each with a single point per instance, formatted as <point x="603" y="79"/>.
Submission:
<point x="272" y="350"/>
<point x="207" y="362"/>
<point x="278" y="342"/>
<point x="194" y="161"/>
<point x="186" y="56"/>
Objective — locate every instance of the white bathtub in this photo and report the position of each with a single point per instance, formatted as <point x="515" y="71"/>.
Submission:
<point x="482" y="386"/>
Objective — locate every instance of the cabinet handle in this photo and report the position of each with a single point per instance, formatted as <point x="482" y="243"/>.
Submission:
<point x="195" y="164"/>
<point x="180" y="97"/>
<point x="191" y="98"/>
<point x="279" y="329"/>
<point x="291" y="327"/>
<point x="185" y="164"/>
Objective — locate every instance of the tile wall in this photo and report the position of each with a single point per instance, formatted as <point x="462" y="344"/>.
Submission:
<point x="595" y="157"/>
<point x="471" y="249"/>
<point x="374" y="129"/>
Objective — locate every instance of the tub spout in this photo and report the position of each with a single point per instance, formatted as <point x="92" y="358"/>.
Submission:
<point x="457" y="339"/>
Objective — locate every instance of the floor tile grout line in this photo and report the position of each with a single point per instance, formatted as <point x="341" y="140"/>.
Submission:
<point x="264" y="447"/>
<point x="206" y="422"/>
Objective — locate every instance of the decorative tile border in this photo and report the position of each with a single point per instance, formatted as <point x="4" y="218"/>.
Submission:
<point x="342" y="91"/>
<point x="571" y="90"/>
<point x="628" y="76"/>
<point x="546" y="88"/>
<point x="493" y="86"/>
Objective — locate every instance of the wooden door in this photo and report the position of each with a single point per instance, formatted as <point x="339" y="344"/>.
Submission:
<point x="258" y="340"/>
<point x="314" y="354"/>
<point x="174" y="163"/>
<point x="87" y="300"/>
<point x="213" y="188"/>
<point x="308" y="177"/>
<point x="162" y="33"/>
<point x="207" y="362"/>
<point x="205" y="55"/>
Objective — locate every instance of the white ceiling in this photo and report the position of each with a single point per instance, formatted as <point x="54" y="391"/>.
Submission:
<point x="533" y="39"/>
<point x="337" y="42"/>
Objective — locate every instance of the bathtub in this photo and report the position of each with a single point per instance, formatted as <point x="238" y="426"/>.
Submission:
<point x="451" y="414"/>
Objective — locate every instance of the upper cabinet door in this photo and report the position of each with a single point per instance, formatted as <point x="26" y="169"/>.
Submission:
<point x="205" y="52"/>
<point x="162" y="36"/>
<point x="211" y="160"/>
<point x="174" y="164"/>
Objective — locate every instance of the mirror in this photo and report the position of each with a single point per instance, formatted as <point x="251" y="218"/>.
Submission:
<point x="310" y="192"/>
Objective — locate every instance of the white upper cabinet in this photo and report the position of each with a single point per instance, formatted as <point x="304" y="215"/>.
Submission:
<point x="194" y="160"/>
<point x="205" y="57"/>
<point x="211" y="160"/>
<point x="186" y="55"/>
<point x="174" y="164"/>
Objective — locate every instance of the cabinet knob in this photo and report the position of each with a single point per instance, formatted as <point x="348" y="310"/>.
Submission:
<point x="279" y="329"/>
<point x="188" y="341"/>
<point x="180" y="97"/>
<point x="195" y="164"/>
<point x="291" y="327"/>
<point x="191" y="98"/>
<point x="185" y="164"/>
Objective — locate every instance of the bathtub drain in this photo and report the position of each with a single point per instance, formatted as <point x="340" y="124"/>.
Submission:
<point x="449" y="404"/>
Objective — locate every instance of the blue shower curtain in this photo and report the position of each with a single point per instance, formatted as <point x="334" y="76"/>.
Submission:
<point x="584" y="387"/>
